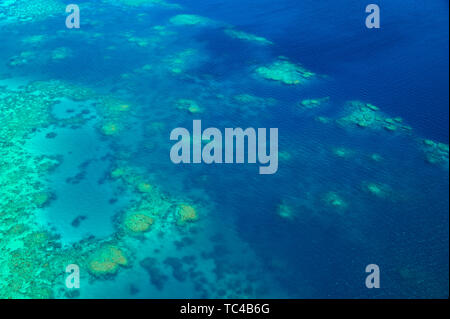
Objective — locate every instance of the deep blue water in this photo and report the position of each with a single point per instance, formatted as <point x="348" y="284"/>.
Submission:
<point x="321" y="253"/>
<point x="402" y="66"/>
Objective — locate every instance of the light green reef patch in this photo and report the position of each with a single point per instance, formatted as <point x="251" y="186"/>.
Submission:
<point x="106" y="261"/>
<point x="182" y="61"/>
<point x="284" y="156"/>
<point x="436" y="153"/>
<point x="286" y="211"/>
<point x="190" y="20"/>
<point x="188" y="105"/>
<point x="366" y="115"/>
<point x="22" y="58"/>
<point x="314" y="103"/>
<point x="252" y="100"/>
<point x="61" y="53"/>
<point x="379" y="190"/>
<point x="34" y="39"/>
<point x="376" y="157"/>
<point x="343" y="152"/>
<point x="32" y="11"/>
<point x="323" y="119"/>
<point x="335" y="201"/>
<point x="285" y="72"/>
<point x="240" y="35"/>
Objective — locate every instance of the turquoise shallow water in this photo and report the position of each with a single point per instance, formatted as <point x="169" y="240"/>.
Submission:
<point x="358" y="182"/>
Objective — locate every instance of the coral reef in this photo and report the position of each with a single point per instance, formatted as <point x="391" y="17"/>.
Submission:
<point x="145" y="187"/>
<point x="189" y="105"/>
<point x="235" y="34"/>
<point x="34" y="39"/>
<point x="106" y="260"/>
<point x="363" y="115"/>
<point x="138" y="223"/>
<point x="335" y="201"/>
<point x="41" y="199"/>
<point x="436" y="153"/>
<point x="377" y="189"/>
<point x="190" y="20"/>
<point x="323" y="119"/>
<point x="186" y="214"/>
<point x="135" y="180"/>
<point x="284" y="156"/>
<point x="32" y="258"/>
<point x="181" y="61"/>
<point x="285" y="72"/>
<point x="25" y="10"/>
<point x="314" y="103"/>
<point x="61" y="53"/>
<point x="376" y="157"/>
<point x="257" y="102"/>
<point x="286" y="211"/>
<point x="343" y="152"/>
<point x="21" y="59"/>
<point x="110" y="129"/>
<point x="54" y="89"/>
<point x="366" y="115"/>
<point x="115" y="114"/>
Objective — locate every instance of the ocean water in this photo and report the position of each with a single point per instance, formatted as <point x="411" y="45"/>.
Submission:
<point x="100" y="102"/>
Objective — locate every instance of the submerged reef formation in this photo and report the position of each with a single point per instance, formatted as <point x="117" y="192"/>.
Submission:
<point x="25" y="10"/>
<point x="61" y="53"/>
<point x="436" y="153"/>
<point x="186" y="214"/>
<point x="250" y="100"/>
<point x="182" y="61"/>
<point x="249" y="105"/>
<point x="190" y="20"/>
<point x="240" y="35"/>
<point x="152" y="206"/>
<point x="115" y="113"/>
<point x="31" y="257"/>
<point x="335" y="201"/>
<point x="163" y="228"/>
<point x="286" y="211"/>
<point x="189" y="105"/>
<point x="366" y="115"/>
<point x="156" y="216"/>
<point x="34" y="39"/>
<point x="314" y="103"/>
<point x="110" y="129"/>
<point x="343" y="152"/>
<point x="285" y="72"/>
<point x="376" y="157"/>
<point x="106" y="261"/>
<point x="22" y="59"/>
<point x="55" y="89"/>
<point x="138" y="223"/>
<point x="379" y="190"/>
<point x="22" y="112"/>
<point x="284" y="156"/>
